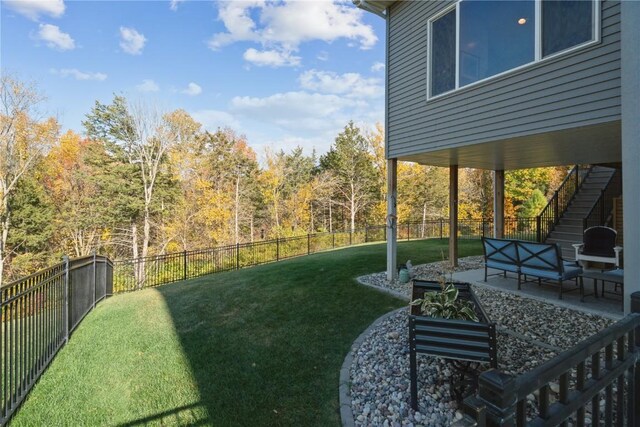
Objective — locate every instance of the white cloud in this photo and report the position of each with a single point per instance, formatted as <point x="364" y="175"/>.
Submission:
<point x="174" y="4"/>
<point x="271" y="58"/>
<point x="296" y="110"/>
<point x="378" y="66"/>
<point x="32" y="9"/>
<point x="79" y="75"/>
<point x="131" y="41"/>
<point x="214" y="119"/>
<point x="352" y="85"/>
<point x="148" y="85"/>
<point x="323" y="56"/>
<point x="54" y="38"/>
<point x="192" y="89"/>
<point x="283" y="26"/>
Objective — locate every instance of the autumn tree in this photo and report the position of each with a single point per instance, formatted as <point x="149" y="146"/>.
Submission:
<point x="143" y="135"/>
<point x="23" y="139"/>
<point x="350" y="162"/>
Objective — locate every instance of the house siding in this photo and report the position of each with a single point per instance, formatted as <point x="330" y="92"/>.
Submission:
<point x="579" y="89"/>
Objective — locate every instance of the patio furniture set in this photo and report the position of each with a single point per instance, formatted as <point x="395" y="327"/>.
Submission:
<point x="543" y="261"/>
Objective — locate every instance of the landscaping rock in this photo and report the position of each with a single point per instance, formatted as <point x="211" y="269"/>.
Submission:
<point x="529" y="333"/>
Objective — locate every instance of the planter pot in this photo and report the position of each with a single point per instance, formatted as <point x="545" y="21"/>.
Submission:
<point x="459" y="340"/>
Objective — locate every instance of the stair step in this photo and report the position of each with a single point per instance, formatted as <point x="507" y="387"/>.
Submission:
<point x="573" y="229"/>
<point x="563" y="235"/>
<point x="574" y="215"/>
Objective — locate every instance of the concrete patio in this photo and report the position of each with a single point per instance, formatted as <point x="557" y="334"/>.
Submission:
<point x="609" y="306"/>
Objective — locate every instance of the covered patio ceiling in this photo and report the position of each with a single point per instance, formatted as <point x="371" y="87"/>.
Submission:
<point x="585" y="145"/>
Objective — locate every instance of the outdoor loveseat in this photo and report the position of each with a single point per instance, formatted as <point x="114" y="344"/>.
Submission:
<point x="540" y="260"/>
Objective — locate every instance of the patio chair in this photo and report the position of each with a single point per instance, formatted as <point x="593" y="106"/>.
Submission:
<point x="599" y="246"/>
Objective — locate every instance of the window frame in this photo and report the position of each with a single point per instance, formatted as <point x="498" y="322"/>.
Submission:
<point x="597" y="23"/>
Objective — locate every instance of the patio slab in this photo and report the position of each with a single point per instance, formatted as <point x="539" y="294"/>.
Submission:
<point x="609" y="306"/>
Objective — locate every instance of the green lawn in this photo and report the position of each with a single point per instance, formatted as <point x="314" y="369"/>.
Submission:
<point x="260" y="346"/>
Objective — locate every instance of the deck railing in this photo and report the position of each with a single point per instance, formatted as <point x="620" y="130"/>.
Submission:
<point x="562" y="197"/>
<point x="38" y="313"/>
<point x="601" y="210"/>
<point x="594" y="383"/>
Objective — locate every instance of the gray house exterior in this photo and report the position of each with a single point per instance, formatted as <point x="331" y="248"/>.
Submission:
<point x="577" y="105"/>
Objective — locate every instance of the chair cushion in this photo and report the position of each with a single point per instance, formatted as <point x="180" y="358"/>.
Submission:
<point x="599" y="241"/>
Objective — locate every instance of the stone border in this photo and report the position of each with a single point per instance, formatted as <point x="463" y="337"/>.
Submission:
<point x="346" y="414"/>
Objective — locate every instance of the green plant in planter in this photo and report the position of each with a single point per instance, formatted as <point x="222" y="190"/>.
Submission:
<point x="445" y="304"/>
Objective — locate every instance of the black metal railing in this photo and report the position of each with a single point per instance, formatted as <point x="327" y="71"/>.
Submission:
<point x="562" y="197"/>
<point x="570" y="388"/>
<point x="38" y="313"/>
<point x="138" y="273"/>
<point x="600" y="213"/>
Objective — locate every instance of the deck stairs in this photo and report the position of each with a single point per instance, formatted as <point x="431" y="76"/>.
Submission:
<point x="569" y="228"/>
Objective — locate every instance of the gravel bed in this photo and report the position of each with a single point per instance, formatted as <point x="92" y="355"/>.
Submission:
<point x="530" y="332"/>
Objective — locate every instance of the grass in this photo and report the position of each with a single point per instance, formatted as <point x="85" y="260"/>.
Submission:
<point x="260" y="346"/>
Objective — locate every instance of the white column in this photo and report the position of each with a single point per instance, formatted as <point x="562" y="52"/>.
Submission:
<point x="392" y="220"/>
<point x="498" y="204"/>
<point x="630" y="91"/>
<point x="453" y="215"/>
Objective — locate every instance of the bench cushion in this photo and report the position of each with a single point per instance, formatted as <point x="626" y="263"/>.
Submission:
<point x="570" y="272"/>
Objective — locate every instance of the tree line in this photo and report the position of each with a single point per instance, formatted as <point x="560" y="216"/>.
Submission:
<point x="137" y="181"/>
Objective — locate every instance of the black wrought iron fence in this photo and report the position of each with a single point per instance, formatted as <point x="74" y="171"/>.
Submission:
<point x="134" y="274"/>
<point x="38" y="313"/>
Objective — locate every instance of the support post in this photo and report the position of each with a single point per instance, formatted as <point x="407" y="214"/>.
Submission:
<point x="453" y="215"/>
<point x="391" y="226"/>
<point x="630" y="93"/>
<point x="498" y="204"/>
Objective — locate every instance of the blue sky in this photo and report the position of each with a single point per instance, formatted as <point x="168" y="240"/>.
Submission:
<point x="284" y="73"/>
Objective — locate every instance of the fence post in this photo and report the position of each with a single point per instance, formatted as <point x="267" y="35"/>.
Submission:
<point x="366" y="233"/>
<point x="556" y="208"/>
<point x="408" y="231"/>
<point x="277" y="249"/>
<point x="440" y="228"/>
<point x="237" y="256"/>
<point x="539" y="228"/>
<point x="308" y="244"/>
<point x="93" y="302"/>
<point x="497" y="391"/>
<point x="184" y="265"/>
<point x="65" y="259"/>
<point x="333" y="240"/>
<point x="350" y="237"/>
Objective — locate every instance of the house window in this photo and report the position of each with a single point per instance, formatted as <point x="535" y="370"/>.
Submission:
<point x="566" y="24"/>
<point x="495" y="36"/>
<point x="443" y="48"/>
<point x="478" y="39"/>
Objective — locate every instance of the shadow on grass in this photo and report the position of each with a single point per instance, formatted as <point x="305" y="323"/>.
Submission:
<point x="265" y="344"/>
<point x="174" y="416"/>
